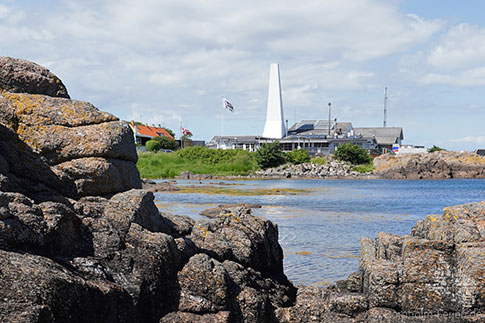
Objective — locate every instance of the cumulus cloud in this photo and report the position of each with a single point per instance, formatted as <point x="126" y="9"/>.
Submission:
<point x="457" y="58"/>
<point x="175" y="58"/>
<point x="463" y="46"/>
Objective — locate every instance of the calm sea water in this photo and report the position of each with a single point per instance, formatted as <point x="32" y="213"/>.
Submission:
<point x="320" y="231"/>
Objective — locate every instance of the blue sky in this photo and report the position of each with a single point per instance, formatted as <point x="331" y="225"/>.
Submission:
<point x="166" y="62"/>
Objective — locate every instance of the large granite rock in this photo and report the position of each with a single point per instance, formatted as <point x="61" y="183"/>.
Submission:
<point x="69" y="147"/>
<point x="238" y="235"/>
<point x="437" y="165"/>
<point x="37" y="289"/>
<point x="21" y="76"/>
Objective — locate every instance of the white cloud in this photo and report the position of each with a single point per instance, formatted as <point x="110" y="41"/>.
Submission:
<point x="469" y="78"/>
<point x="161" y="54"/>
<point x="463" y="46"/>
<point x="471" y="139"/>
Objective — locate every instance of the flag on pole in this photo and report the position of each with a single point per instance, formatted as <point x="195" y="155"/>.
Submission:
<point x="228" y="105"/>
<point x="186" y="132"/>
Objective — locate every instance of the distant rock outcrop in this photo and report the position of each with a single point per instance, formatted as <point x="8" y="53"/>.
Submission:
<point x="436" y="165"/>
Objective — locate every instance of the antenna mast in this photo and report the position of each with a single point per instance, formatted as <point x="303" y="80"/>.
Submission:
<point x="385" y="106"/>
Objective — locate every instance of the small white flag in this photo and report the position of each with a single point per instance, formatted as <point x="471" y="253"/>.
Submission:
<point x="228" y="105"/>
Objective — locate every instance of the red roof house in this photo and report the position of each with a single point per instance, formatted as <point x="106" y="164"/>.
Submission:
<point x="144" y="133"/>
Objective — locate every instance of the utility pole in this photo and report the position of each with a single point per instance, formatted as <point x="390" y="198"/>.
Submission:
<point x="385" y="106"/>
<point x="329" y="114"/>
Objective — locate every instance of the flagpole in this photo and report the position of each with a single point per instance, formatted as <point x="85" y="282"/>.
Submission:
<point x="222" y="113"/>
<point x="181" y="135"/>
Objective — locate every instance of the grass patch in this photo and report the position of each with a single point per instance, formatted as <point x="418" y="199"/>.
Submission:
<point x="319" y="160"/>
<point x="365" y="168"/>
<point x="198" y="161"/>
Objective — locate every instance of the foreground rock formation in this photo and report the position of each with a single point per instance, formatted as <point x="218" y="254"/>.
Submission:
<point x="437" y="165"/>
<point x="79" y="242"/>
<point x="435" y="274"/>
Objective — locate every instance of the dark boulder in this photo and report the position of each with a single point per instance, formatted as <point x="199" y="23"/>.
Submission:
<point x="36" y="289"/>
<point x="22" y="76"/>
<point x="238" y="235"/>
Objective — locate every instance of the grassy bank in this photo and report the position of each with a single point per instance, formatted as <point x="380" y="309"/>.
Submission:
<point x="365" y="168"/>
<point x="197" y="160"/>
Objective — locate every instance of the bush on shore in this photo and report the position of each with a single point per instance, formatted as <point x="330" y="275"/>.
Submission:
<point x="298" y="156"/>
<point x="270" y="155"/>
<point x="353" y="154"/>
<point x="152" y="145"/>
<point x="435" y="148"/>
<point x="166" y="143"/>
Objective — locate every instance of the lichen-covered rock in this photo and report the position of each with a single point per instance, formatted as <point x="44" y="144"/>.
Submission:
<point x="36" y="289"/>
<point x="79" y="241"/>
<point x="437" y="269"/>
<point x="22" y="225"/>
<point x="69" y="146"/>
<point x="177" y="317"/>
<point x="18" y="75"/>
<point x="203" y="286"/>
<point x="96" y="176"/>
<point x="436" y="165"/>
<point x="238" y="235"/>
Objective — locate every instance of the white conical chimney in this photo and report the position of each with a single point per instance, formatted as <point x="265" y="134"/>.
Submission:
<point x="275" y="124"/>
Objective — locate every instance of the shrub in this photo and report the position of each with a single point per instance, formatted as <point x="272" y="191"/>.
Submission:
<point x="435" y="148"/>
<point x="166" y="143"/>
<point x="298" y="156"/>
<point x="152" y="145"/>
<point x="270" y="155"/>
<point x="353" y="154"/>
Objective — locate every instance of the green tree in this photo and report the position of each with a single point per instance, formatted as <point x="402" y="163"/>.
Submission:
<point x="298" y="156"/>
<point x="353" y="154"/>
<point x="152" y="145"/>
<point x="171" y="133"/>
<point x="166" y="143"/>
<point x="270" y="155"/>
<point x="435" y="148"/>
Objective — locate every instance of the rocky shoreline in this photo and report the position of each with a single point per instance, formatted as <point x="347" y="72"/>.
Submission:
<point x="436" y="165"/>
<point x="81" y="242"/>
<point x="332" y="169"/>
